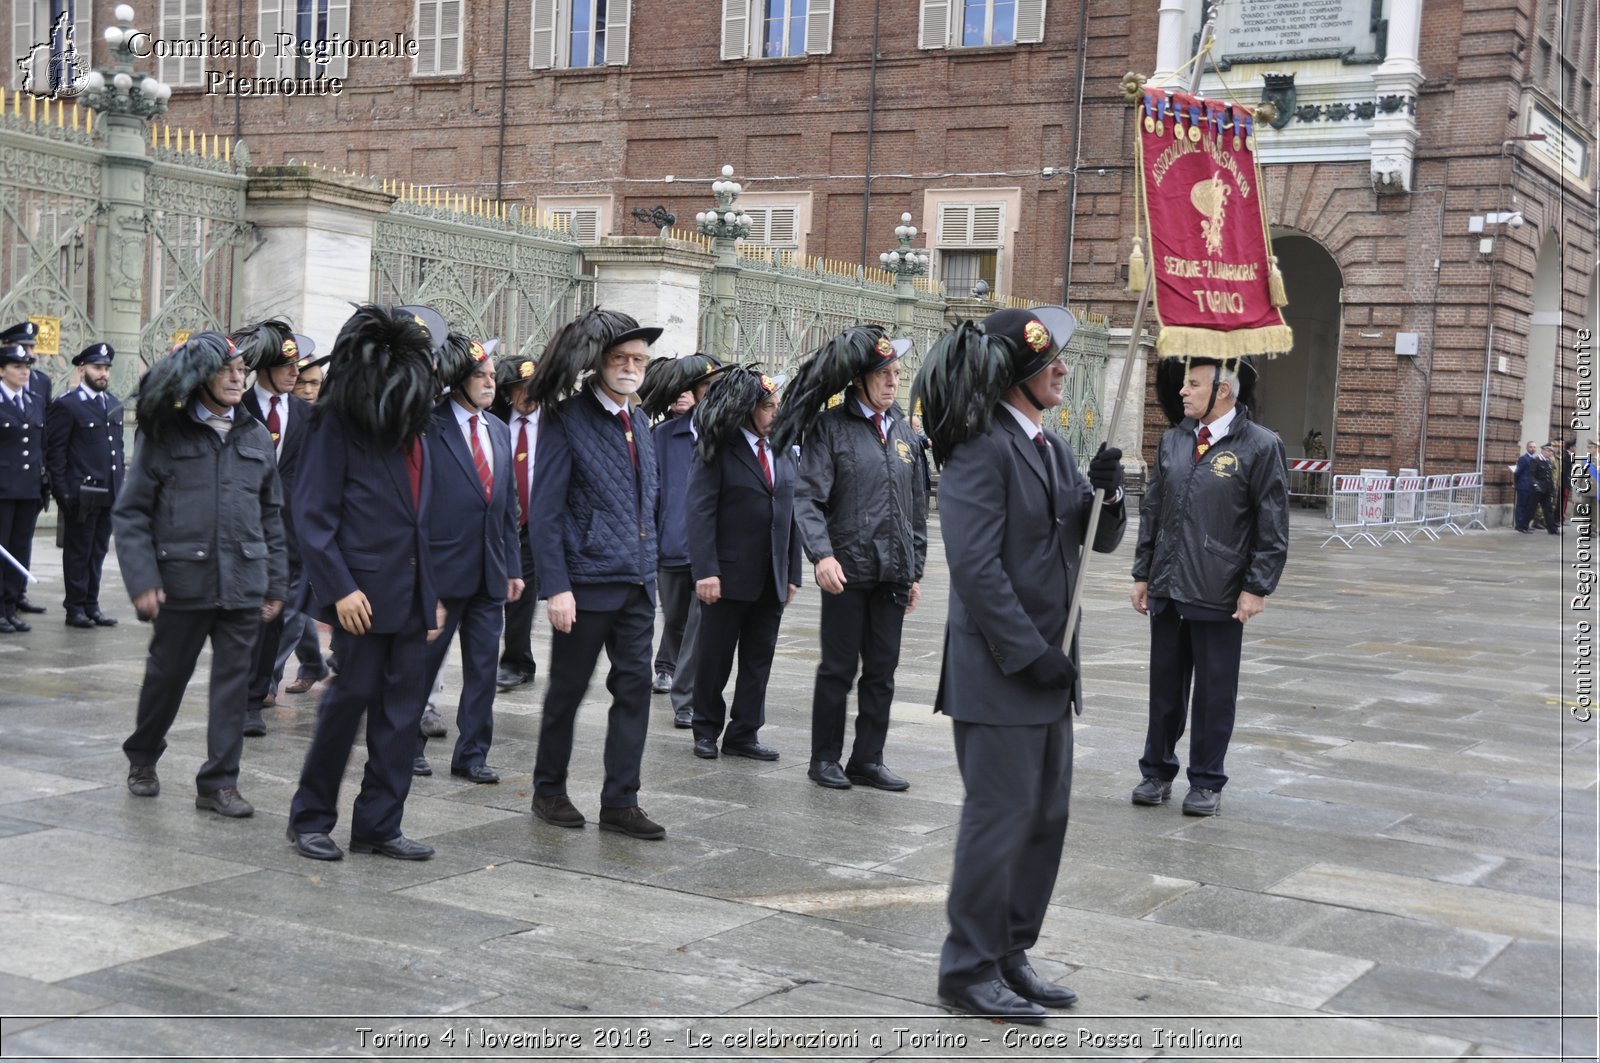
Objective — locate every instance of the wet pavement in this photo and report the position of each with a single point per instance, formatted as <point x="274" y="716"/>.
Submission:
<point x="1405" y="864"/>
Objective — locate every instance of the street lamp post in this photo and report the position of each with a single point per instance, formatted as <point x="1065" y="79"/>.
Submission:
<point x="126" y="99"/>
<point x="726" y="224"/>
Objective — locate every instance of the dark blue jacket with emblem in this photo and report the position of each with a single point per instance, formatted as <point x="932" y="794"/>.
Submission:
<point x="22" y="443"/>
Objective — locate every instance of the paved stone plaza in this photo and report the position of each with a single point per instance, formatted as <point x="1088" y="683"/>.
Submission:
<point x="1405" y="865"/>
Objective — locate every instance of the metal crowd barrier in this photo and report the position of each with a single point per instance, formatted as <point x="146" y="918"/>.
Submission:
<point x="1404" y="507"/>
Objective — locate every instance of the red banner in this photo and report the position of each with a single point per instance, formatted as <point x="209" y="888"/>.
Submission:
<point x="1217" y="288"/>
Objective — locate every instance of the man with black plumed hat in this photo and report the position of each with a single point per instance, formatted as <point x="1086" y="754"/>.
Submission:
<point x="84" y="451"/>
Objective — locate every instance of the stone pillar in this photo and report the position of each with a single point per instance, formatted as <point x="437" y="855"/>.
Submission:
<point x="905" y="305"/>
<point x="1395" y="83"/>
<point x="1130" y="425"/>
<point x="1172" y="48"/>
<point x="656" y="280"/>
<point x="313" y="255"/>
<point x="121" y="244"/>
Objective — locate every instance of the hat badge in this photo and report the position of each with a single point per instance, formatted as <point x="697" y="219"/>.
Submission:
<point x="525" y="370"/>
<point x="885" y="348"/>
<point x="767" y="384"/>
<point x="477" y="352"/>
<point x="1037" y="336"/>
<point x="291" y="349"/>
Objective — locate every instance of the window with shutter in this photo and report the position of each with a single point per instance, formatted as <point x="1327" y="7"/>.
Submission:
<point x="183" y="20"/>
<point x="980" y="23"/>
<point x="776" y="227"/>
<point x="574" y="34"/>
<point x="933" y="29"/>
<point x="582" y="223"/>
<point x="294" y="33"/>
<point x="735" y="28"/>
<point x="439" y="32"/>
<point x="970" y="242"/>
<point x="774" y="29"/>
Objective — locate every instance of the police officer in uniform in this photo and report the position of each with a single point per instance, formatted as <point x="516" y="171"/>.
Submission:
<point x="84" y="455"/>
<point x="25" y="334"/>
<point x="22" y="483"/>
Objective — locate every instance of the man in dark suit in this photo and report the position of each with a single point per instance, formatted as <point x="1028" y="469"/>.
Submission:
<point x="84" y="451"/>
<point x="472" y="537"/>
<point x="22" y="478"/>
<point x="272" y="351"/>
<point x="746" y="558"/>
<point x="201" y="547"/>
<point x="1015" y="511"/>
<point x="521" y="414"/>
<point x="595" y="555"/>
<point x="361" y="507"/>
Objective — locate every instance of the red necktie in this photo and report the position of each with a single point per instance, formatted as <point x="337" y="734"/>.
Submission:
<point x="1202" y="442"/>
<point x="766" y="466"/>
<point x="627" y="430"/>
<point x="1039" y="441"/>
<point x="273" y="424"/>
<point x="414" y="471"/>
<point x="522" y="468"/>
<point x="479" y="462"/>
<point x="877" y="422"/>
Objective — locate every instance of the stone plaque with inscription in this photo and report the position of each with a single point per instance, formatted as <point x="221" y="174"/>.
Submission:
<point x="1258" y="31"/>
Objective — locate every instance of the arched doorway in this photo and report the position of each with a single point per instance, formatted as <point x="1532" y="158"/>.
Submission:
<point x="1296" y="393"/>
<point x="1543" y="327"/>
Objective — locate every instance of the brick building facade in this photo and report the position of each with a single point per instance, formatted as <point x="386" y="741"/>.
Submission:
<point x="966" y="114"/>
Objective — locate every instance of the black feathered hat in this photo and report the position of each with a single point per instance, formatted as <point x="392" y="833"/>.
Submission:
<point x="95" y="354"/>
<point x="169" y="385"/>
<point x="727" y="407"/>
<point x="270" y="344"/>
<point x="459" y="358"/>
<point x="828" y="370"/>
<point x="512" y="373"/>
<point x="578" y="348"/>
<point x="667" y="378"/>
<point x="1172" y="372"/>
<point x="430" y="319"/>
<point x="380" y="374"/>
<point x="973" y="365"/>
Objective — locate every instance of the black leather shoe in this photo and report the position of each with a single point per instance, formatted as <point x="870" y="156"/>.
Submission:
<point x="28" y="607"/>
<point x="633" y="822"/>
<point x="705" y="749"/>
<point x="875" y="775"/>
<point x="753" y="750"/>
<point x="1025" y="982"/>
<point x="510" y="679"/>
<point x="225" y="802"/>
<point x="5" y="625"/>
<point x="432" y="724"/>
<point x="315" y="846"/>
<point x="397" y="848"/>
<point x="683" y="719"/>
<point x="420" y="766"/>
<point x="142" y="780"/>
<point x="994" y="1000"/>
<point x="828" y="773"/>
<point x="480" y="773"/>
<point x="1202" y="802"/>
<point x="20" y="625"/>
<point x="662" y="684"/>
<point x="557" y="810"/>
<point x="77" y="619"/>
<point x="100" y="619"/>
<point x="1151" y="791"/>
<point x="254" y="725"/>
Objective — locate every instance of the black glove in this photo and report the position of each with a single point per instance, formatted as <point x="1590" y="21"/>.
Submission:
<point x="1105" y="471"/>
<point x="1051" y="671"/>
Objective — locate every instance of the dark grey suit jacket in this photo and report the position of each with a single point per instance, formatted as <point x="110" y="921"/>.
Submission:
<point x="1013" y="532"/>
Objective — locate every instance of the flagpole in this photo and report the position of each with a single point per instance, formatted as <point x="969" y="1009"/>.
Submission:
<point x="1207" y="34"/>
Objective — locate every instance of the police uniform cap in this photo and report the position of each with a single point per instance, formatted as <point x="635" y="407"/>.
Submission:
<point x="95" y="354"/>
<point x="23" y="332"/>
<point x="15" y="354"/>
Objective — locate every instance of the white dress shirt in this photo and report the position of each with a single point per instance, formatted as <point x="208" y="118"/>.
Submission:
<point x="464" y="412"/>
<point x="529" y="421"/>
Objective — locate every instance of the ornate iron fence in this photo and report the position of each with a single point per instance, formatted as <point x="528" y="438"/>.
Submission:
<point x="195" y="228"/>
<point x="492" y="276"/>
<point x="1078" y="418"/>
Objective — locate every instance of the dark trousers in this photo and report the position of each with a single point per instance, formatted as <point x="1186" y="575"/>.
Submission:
<point x="1523" y="513"/>
<point x="1013" y="823"/>
<point x="1204" y="655"/>
<point x="386" y="678"/>
<point x="17" y="520"/>
<point x="675" y="588"/>
<point x="175" y="645"/>
<point x="520" y="614"/>
<point x="300" y="637"/>
<point x="85" y="537"/>
<point x="688" y="650"/>
<point x="625" y="633"/>
<point x="265" y="656"/>
<point x="1547" y="510"/>
<point x="752" y="629"/>
<point x="479" y="620"/>
<point x="861" y="625"/>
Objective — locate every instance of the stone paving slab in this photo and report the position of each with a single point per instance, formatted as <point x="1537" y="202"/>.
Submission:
<point x="1409" y="820"/>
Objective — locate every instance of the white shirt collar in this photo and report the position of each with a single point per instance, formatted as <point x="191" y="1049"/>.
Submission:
<point x="11" y="396"/>
<point x="754" y="440"/>
<point x="868" y="412"/>
<point x="1029" y="429"/>
<point x="462" y="413"/>
<point x="265" y="397"/>
<point x="198" y="411"/>
<point x="605" y="400"/>
<point x="1220" y="426"/>
<point x="90" y="394"/>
